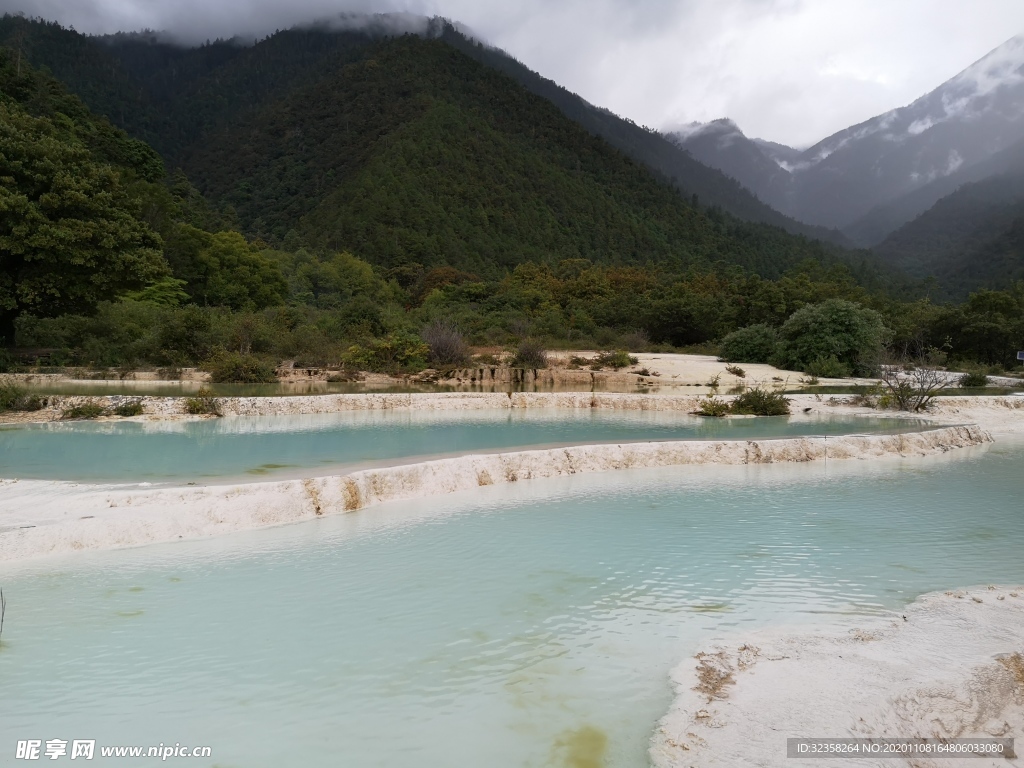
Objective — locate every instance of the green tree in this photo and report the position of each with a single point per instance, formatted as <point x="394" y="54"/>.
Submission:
<point x="224" y="270"/>
<point x="753" y="344"/>
<point x="69" y="234"/>
<point x="852" y="334"/>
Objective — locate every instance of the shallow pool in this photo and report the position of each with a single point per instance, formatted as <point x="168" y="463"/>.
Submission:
<point x="265" y="446"/>
<point x="512" y="627"/>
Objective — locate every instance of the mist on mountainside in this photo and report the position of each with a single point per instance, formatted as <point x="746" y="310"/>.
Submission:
<point x="864" y="171"/>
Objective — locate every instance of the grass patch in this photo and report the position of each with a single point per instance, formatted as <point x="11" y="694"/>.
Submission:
<point x="14" y="398"/>
<point x="202" y="404"/>
<point x="615" y="360"/>
<point x="759" y="402"/>
<point x="973" y="379"/>
<point x="83" y="411"/>
<point x="129" y="408"/>
<point x="712" y="406"/>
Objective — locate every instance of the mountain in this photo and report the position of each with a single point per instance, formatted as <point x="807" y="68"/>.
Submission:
<point x="884" y="219"/>
<point x="138" y="79"/>
<point x="757" y="165"/>
<point x="401" y="149"/>
<point x="970" y="239"/>
<point x="661" y="153"/>
<point x="857" y="172"/>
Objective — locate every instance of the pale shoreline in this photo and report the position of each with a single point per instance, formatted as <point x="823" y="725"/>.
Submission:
<point x="948" y="666"/>
<point x="40" y="518"/>
<point x="35" y="521"/>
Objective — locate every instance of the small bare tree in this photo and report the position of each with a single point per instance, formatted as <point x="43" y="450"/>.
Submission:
<point x="3" y="610"/>
<point x="913" y="377"/>
<point x="446" y="343"/>
<point x="529" y="354"/>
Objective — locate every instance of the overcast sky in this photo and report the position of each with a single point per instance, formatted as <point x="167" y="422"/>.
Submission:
<point x="792" y="71"/>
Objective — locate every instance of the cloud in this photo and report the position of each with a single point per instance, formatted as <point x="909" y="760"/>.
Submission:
<point x="792" y="71"/>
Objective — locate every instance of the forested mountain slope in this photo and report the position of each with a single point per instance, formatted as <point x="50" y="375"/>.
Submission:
<point x="72" y="231"/>
<point x="968" y="240"/>
<point x="655" y="150"/>
<point x="400" y="150"/>
<point x="416" y="152"/>
<point x="169" y="95"/>
<point x="886" y="218"/>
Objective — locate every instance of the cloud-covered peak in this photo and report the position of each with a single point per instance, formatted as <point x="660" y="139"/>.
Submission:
<point x="723" y="126"/>
<point x="1002" y="67"/>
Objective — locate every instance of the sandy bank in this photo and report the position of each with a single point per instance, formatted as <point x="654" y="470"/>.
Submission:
<point x="951" y="668"/>
<point x="43" y="517"/>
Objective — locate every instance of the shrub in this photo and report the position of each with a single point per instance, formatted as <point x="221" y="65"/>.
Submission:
<point x="129" y="408"/>
<point x="735" y="370"/>
<point x="83" y="411"/>
<point x="14" y="398"/>
<point x="10" y="395"/>
<point x="31" y="403"/>
<point x="234" y="368"/>
<point x="827" y="368"/>
<point x="852" y="334"/>
<point x="635" y="341"/>
<point x="753" y="344"/>
<point x="446" y="344"/>
<point x="395" y="352"/>
<point x="529" y="354"/>
<point x="618" y="359"/>
<point x="712" y="406"/>
<point x="973" y="379"/>
<point x="759" y="402"/>
<point x="202" y="403"/>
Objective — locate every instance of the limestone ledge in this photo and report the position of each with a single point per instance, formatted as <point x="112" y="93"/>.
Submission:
<point x="39" y="518"/>
<point x="949" y="666"/>
<point x="310" y="404"/>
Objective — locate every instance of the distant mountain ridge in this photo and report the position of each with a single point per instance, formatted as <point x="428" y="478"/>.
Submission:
<point x="858" y="173"/>
<point x="968" y="240"/>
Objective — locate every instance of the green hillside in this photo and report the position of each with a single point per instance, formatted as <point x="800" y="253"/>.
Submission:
<point x="71" y="228"/>
<point x="340" y="193"/>
<point x="966" y="241"/>
<point x="414" y="152"/>
<point x="647" y="147"/>
<point x="171" y="96"/>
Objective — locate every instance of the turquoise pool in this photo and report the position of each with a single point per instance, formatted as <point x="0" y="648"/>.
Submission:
<point x="266" y="446"/>
<point x="511" y="627"/>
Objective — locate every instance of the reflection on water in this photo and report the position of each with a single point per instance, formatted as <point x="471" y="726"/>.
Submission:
<point x="187" y="388"/>
<point x="519" y="627"/>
